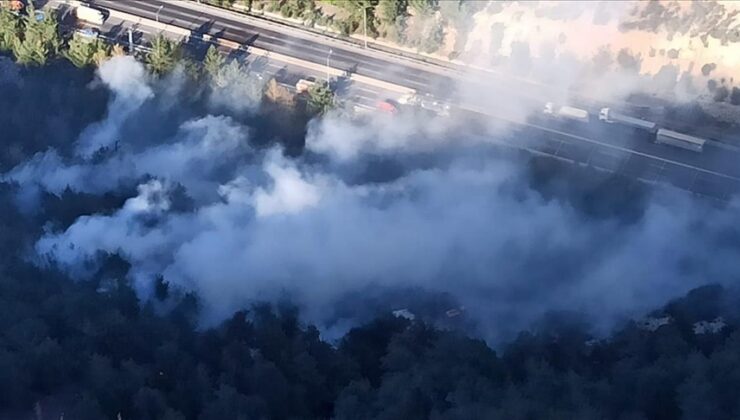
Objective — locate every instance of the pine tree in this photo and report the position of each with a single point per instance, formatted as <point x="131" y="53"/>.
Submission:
<point x="40" y="39"/>
<point x="84" y="51"/>
<point x="320" y="99"/>
<point x="391" y="10"/>
<point x="10" y="28"/>
<point x="213" y="62"/>
<point x="101" y="52"/>
<point x="164" y="55"/>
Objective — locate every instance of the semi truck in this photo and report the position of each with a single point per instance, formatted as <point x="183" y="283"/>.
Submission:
<point x="566" y="112"/>
<point x="610" y="116"/>
<point x="681" y="140"/>
<point x="89" y="14"/>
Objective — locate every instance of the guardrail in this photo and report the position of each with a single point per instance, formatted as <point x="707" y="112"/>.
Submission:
<point x="389" y="86"/>
<point x="188" y="34"/>
<point x="372" y="45"/>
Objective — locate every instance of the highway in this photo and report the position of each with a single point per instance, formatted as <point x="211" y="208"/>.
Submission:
<point x="608" y="147"/>
<point x="246" y="33"/>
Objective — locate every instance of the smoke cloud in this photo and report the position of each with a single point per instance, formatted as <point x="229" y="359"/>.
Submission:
<point x="127" y="79"/>
<point x="657" y="49"/>
<point x="262" y="226"/>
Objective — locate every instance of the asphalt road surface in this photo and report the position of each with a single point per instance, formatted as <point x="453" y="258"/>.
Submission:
<point x="244" y="33"/>
<point x="610" y="147"/>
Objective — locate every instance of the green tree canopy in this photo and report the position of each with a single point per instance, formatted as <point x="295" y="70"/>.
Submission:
<point x="388" y="11"/>
<point x="164" y="55"/>
<point x="83" y="51"/>
<point x="213" y="62"/>
<point x="40" y="40"/>
<point x="10" y="29"/>
<point x="320" y="99"/>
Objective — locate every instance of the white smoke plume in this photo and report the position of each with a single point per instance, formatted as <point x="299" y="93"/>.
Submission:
<point x="604" y="51"/>
<point x="128" y="81"/>
<point x="265" y="226"/>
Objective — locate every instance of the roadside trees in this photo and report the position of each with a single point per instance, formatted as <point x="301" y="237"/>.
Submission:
<point x="213" y="62"/>
<point x="320" y="99"/>
<point x="40" y="39"/>
<point x="10" y="28"/>
<point x="83" y="51"/>
<point x="164" y="56"/>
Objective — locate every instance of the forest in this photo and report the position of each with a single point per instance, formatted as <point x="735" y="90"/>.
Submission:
<point x="103" y="346"/>
<point x="95" y="352"/>
<point x="92" y="349"/>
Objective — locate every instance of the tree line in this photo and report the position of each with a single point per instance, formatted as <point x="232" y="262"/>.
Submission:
<point x="34" y="39"/>
<point x="92" y="350"/>
<point x="420" y="24"/>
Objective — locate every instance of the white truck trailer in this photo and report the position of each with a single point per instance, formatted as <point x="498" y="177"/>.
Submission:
<point x="566" y="112"/>
<point x="681" y="140"/>
<point x="611" y="116"/>
<point x="89" y="14"/>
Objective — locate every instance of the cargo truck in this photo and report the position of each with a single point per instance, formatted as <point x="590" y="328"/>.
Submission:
<point x="610" y="116"/>
<point x="681" y="140"/>
<point x="89" y="14"/>
<point x="566" y="112"/>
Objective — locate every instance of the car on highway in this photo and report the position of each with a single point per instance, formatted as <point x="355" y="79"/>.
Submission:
<point x="426" y="102"/>
<point x="388" y="106"/>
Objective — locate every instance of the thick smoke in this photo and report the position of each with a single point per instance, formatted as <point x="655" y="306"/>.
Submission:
<point x="257" y="225"/>
<point x="127" y="79"/>
<point x="607" y="51"/>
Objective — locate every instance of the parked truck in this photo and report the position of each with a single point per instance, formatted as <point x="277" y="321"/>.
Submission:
<point x="566" y="112"/>
<point x="89" y="14"/>
<point x="610" y="116"/>
<point x="681" y="140"/>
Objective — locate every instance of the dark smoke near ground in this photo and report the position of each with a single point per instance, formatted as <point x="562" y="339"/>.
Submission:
<point x="163" y="256"/>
